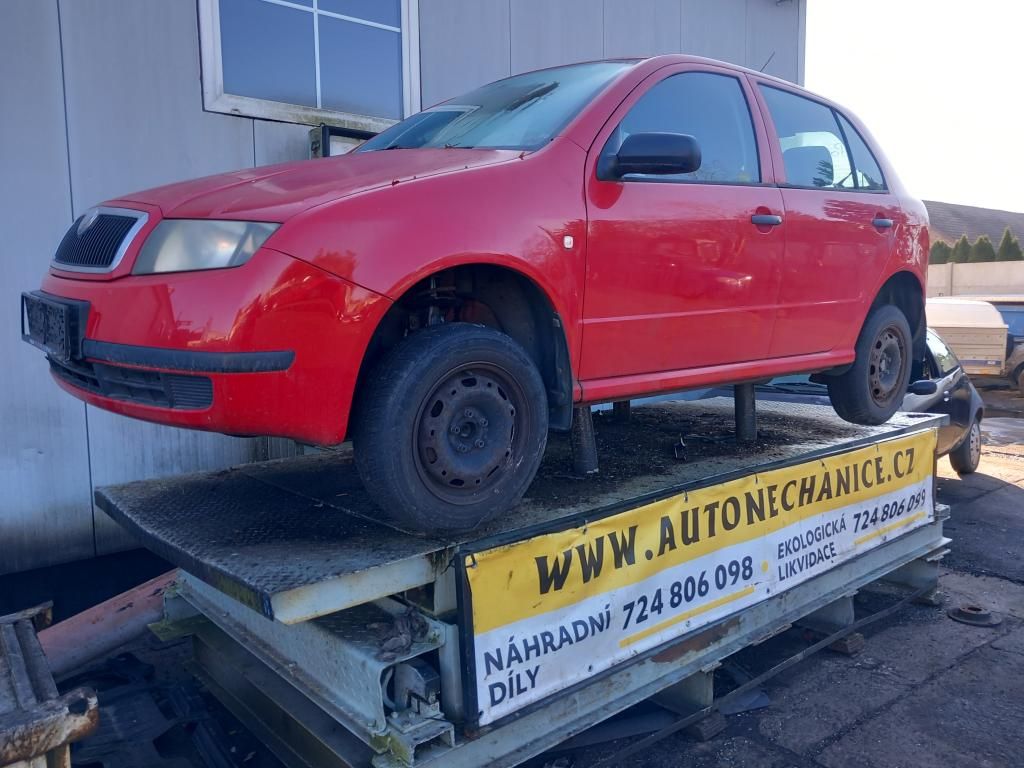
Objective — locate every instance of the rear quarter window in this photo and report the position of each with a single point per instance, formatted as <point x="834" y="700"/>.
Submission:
<point x="866" y="171"/>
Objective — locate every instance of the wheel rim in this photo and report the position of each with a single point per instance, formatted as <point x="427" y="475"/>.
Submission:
<point x="886" y="363"/>
<point x="975" y="444"/>
<point x="468" y="430"/>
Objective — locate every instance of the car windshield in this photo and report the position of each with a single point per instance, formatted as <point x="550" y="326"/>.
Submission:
<point x="1013" y="316"/>
<point x="521" y="112"/>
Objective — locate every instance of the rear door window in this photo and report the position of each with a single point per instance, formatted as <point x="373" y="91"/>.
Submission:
<point x="813" y="149"/>
<point x="710" y="107"/>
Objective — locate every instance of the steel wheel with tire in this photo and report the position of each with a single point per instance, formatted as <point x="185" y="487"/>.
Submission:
<point x="966" y="456"/>
<point x="872" y="389"/>
<point x="450" y="428"/>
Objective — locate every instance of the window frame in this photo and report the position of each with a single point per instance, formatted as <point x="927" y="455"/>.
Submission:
<point x="836" y="114"/>
<point x="216" y="100"/>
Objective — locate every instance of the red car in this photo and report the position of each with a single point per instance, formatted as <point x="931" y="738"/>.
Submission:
<point x="448" y="292"/>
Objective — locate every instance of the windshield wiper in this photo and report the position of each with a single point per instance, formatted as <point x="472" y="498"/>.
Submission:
<point x="529" y="96"/>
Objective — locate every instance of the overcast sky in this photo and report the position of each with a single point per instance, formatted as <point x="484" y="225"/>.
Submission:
<point x="940" y="83"/>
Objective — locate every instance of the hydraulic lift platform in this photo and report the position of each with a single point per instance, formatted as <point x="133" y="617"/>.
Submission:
<point x="341" y="640"/>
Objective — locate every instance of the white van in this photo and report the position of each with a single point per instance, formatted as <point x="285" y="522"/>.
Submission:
<point x="974" y="330"/>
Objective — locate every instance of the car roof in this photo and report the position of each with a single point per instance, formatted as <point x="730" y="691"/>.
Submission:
<point x="958" y="312"/>
<point x="653" y="63"/>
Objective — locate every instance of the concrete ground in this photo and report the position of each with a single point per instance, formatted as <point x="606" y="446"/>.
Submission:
<point x="925" y="691"/>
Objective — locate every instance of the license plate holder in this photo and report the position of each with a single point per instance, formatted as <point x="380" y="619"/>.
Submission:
<point x="56" y="326"/>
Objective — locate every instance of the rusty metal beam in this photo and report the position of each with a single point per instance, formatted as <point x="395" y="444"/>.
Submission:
<point x="102" y="628"/>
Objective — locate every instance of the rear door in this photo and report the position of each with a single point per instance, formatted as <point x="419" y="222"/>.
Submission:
<point x="678" y="276"/>
<point x="840" y="221"/>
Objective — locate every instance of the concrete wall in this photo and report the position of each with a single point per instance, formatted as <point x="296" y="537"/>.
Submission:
<point x="101" y="98"/>
<point x="984" y="279"/>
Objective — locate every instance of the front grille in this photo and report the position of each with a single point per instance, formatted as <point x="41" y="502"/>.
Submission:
<point x="97" y="248"/>
<point x="163" y="390"/>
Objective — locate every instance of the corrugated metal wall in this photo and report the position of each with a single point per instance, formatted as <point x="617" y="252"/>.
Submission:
<point x="103" y="97"/>
<point x="467" y="42"/>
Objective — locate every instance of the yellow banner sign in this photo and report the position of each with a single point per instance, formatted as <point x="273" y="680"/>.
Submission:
<point x="634" y="579"/>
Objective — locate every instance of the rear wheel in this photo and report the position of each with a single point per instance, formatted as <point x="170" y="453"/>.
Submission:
<point x="966" y="456"/>
<point x="872" y="389"/>
<point x="450" y="428"/>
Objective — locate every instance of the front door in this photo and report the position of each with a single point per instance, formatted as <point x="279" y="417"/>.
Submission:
<point x="679" y="276"/>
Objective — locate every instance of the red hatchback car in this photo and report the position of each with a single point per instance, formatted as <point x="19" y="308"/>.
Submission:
<point x="448" y="292"/>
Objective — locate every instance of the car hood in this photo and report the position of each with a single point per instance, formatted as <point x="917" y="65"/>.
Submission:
<point x="278" y="192"/>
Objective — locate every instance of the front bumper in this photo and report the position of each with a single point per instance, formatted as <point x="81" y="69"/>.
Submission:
<point x="269" y="348"/>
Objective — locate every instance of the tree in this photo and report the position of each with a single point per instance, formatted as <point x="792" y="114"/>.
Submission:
<point x="982" y="250"/>
<point x="961" y="251"/>
<point x="1009" y="248"/>
<point x="940" y="252"/>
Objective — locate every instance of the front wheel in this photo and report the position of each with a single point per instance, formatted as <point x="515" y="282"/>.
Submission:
<point x="450" y="428"/>
<point x="872" y="389"/>
<point x="966" y="456"/>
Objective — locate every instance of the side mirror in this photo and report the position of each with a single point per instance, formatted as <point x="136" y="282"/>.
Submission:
<point x="656" y="153"/>
<point x="923" y="387"/>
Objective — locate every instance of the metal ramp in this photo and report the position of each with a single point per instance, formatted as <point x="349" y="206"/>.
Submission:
<point x="310" y="610"/>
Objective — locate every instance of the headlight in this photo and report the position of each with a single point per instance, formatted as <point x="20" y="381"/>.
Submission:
<point x="181" y="245"/>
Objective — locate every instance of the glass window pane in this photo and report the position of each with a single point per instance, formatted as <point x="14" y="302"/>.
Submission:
<point x="521" y="112"/>
<point x="360" y="68"/>
<point x="381" y="11"/>
<point x="945" y="360"/>
<point x="869" y="175"/>
<point x="812" y="147"/>
<point x="711" y="108"/>
<point x="249" y="29"/>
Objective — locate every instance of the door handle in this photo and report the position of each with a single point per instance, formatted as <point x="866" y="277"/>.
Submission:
<point x="766" y="219"/>
<point x="881" y="223"/>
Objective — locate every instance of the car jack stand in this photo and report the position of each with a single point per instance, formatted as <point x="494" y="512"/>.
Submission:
<point x="622" y="411"/>
<point x="746" y="413"/>
<point x="584" y="444"/>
